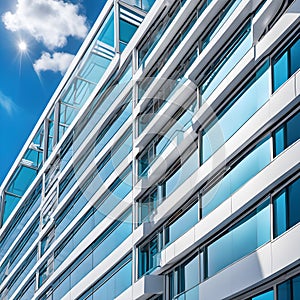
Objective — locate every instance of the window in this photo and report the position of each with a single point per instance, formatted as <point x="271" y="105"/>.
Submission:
<point x="286" y="63"/>
<point x="149" y="204"/>
<point x="286" y="208"/>
<point x="238" y="175"/>
<point x="220" y="20"/>
<point x="182" y="223"/>
<point x="113" y="283"/>
<point x="240" y="240"/>
<point x="171" y="133"/>
<point x="47" y="241"/>
<point x="129" y="22"/>
<point x="184" y="280"/>
<point x="236" y="113"/>
<point x="45" y="271"/>
<point x="184" y="168"/>
<point x="269" y="295"/>
<point x="289" y="290"/>
<point x="149" y="255"/>
<point x="226" y="62"/>
<point x="105" y="244"/>
<point x="287" y="134"/>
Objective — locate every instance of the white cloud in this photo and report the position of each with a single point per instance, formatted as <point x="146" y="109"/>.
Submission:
<point x="7" y="104"/>
<point x="57" y="62"/>
<point x="48" y="21"/>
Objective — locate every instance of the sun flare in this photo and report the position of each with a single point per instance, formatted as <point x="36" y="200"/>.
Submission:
<point x="22" y="46"/>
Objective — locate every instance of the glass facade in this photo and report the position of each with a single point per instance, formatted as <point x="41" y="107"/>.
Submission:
<point x="117" y="193"/>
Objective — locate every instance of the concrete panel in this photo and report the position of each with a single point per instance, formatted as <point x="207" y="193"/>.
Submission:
<point x="148" y="286"/>
<point x="285" y="249"/>
<point x="297" y="75"/>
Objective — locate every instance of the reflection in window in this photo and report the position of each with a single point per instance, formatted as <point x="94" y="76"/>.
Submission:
<point x="286" y="63"/>
<point x="237" y="112"/>
<point x="226" y="62"/>
<point x="149" y="255"/>
<point x="172" y="133"/>
<point x="105" y="244"/>
<point x="286" y="208"/>
<point x="287" y="134"/>
<point x="129" y="22"/>
<point x="269" y="295"/>
<point x="289" y="290"/>
<point x="182" y="223"/>
<point x="220" y="20"/>
<point x="184" y="280"/>
<point x="113" y="283"/>
<point x="184" y="168"/>
<point x="240" y="240"/>
<point x="243" y="171"/>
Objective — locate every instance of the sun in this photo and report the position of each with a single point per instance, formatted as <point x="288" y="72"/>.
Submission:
<point x="22" y="46"/>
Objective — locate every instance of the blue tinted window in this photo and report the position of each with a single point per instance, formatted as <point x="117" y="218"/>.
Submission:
<point x="236" y="113"/>
<point x="284" y="291"/>
<point x="127" y="30"/>
<point x="296" y="287"/>
<point x="182" y="174"/>
<point x="295" y="57"/>
<point x="247" y="168"/>
<point x="226" y="63"/>
<point x="227" y="12"/>
<point x="294" y="203"/>
<point x="280" y="71"/>
<point x="286" y="64"/>
<point x="243" y="238"/>
<point x="293" y="129"/>
<point x="287" y="134"/>
<point x="265" y="296"/>
<point x="107" y="30"/>
<point x="186" y="221"/>
<point x="184" y="280"/>
<point x="280" y="214"/>
<point x="279" y="140"/>
<point x="287" y="208"/>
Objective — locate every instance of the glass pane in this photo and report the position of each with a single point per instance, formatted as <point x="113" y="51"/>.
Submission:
<point x="280" y="217"/>
<point x="279" y="140"/>
<point x="107" y="30"/>
<point x="222" y="19"/>
<point x="183" y="223"/>
<point x="246" y="236"/>
<point x="227" y="63"/>
<point x="123" y="279"/>
<point x="182" y="174"/>
<point x="127" y="30"/>
<point x="284" y="291"/>
<point x="295" y="57"/>
<point x="293" y="129"/>
<point x="190" y="274"/>
<point x="147" y="4"/>
<point x="236" y="113"/>
<point x="294" y="203"/>
<point x="265" y="296"/>
<point x="296" y="287"/>
<point x="82" y="270"/>
<point x="280" y="71"/>
<point x="10" y="202"/>
<point x="247" y="168"/>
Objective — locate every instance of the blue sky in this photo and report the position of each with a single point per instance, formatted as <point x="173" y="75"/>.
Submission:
<point x="53" y="31"/>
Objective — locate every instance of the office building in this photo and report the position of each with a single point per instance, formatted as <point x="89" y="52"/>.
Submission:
<point x="166" y="164"/>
